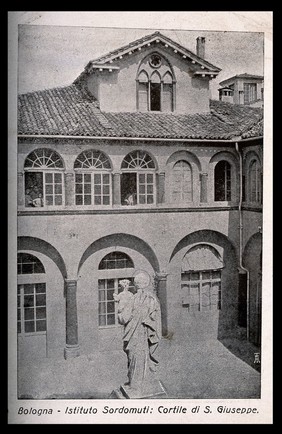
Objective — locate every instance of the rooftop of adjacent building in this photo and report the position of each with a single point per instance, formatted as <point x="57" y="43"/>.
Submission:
<point x="245" y="75"/>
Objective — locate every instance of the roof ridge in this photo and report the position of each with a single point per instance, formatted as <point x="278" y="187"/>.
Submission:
<point x="123" y="47"/>
<point x="102" y="59"/>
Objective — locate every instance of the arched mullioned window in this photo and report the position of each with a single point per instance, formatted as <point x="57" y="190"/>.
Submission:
<point x="115" y="260"/>
<point x="182" y="182"/>
<point x="138" y="179"/>
<point x="222" y="181"/>
<point x="201" y="279"/>
<point x="92" y="179"/>
<point x="31" y="297"/>
<point x="255" y="181"/>
<point x="29" y="264"/>
<point x="155" y="84"/>
<point x="120" y="266"/>
<point x="44" y="179"/>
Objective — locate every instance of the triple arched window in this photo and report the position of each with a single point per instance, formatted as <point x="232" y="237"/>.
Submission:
<point x="155" y="84"/>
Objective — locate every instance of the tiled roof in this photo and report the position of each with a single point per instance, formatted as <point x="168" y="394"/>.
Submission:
<point x="72" y="111"/>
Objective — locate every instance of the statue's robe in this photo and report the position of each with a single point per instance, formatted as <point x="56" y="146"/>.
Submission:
<point x="142" y="333"/>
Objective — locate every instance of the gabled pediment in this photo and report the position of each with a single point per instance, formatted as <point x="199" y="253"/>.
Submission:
<point x="108" y="61"/>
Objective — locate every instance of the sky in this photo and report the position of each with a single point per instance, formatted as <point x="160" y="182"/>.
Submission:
<point x="52" y="55"/>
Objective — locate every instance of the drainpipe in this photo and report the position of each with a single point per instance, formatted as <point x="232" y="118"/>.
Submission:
<point x="241" y="239"/>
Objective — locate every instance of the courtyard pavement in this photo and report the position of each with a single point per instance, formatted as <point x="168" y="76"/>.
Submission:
<point x="201" y="369"/>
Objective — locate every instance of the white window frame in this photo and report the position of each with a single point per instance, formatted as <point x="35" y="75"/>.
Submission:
<point x="35" y="279"/>
<point x="200" y="283"/>
<point x="116" y="280"/>
<point x="94" y="165"/>
<point x="139" y="170"/>
<point x="92" y="183"/>
<point x="44" y="172"/>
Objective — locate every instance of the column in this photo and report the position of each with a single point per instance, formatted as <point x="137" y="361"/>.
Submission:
<point x="204" y="187"/>
<point x="20" y="189"/>
<point x="116" y="188"/>
<point x="69" y="188"/>
<point x="162" y="295"/>
<point x="72" y="347"/>
<point x="161" y="187"/>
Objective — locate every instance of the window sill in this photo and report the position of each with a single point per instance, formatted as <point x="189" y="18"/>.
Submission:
<point x="120" y="209"/>
<point x="110" y="327"/>
<point x="23" y="335"/>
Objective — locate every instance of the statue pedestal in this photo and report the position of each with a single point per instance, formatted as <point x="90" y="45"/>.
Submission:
<point x="154" y="390"/>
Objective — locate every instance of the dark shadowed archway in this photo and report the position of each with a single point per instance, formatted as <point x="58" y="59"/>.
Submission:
<point x="252" y="260"/>
<point x="206" y="282"/>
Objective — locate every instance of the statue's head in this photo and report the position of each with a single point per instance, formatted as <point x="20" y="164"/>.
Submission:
<point x="124" y="283"/>
<point x="142" y="280"/>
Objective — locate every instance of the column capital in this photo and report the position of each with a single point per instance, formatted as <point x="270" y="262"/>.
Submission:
<point x="161" y="173"/>
<point x="20" y="174"/>
<point x="203" y="173"/>
<point x="116" y="173"/>
<point x="71" y="282"/>
<point x="162" y="275"/>
<point x="70" y="174"/>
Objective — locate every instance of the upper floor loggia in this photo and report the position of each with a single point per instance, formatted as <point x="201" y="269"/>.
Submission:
<point x="140" y="179"/>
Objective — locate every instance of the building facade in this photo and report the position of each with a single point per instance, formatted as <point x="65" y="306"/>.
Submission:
<point x="133" y="167"/>
<point x="244" y="89"/>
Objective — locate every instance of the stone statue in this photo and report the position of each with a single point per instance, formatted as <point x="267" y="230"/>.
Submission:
<point x="125" y="301"/>
<point x="141" y="317"/>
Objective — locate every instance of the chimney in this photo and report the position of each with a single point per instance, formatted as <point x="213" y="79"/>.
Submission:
<point x="201" y="46"/>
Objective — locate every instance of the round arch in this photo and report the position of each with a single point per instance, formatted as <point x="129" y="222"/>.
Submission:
<point x="253" y="248"/>
<point x="98" y="160"/>
<point x="137" y="155"/>
<point x="43" y="157"/>
<point x="207" y="282"/>
<point x="252" y="192"/>
<point x="249" y="156"/>
<point x="234" y="165"/>
<point x="42" y="246"/>
<point x="252" y="261"/>
<point x="190" y="182"/>
<point x="188" y="156"/>
<point x="205" y="236"/>
<point x="122" y="240"/>
<point x="224" y="155"/>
